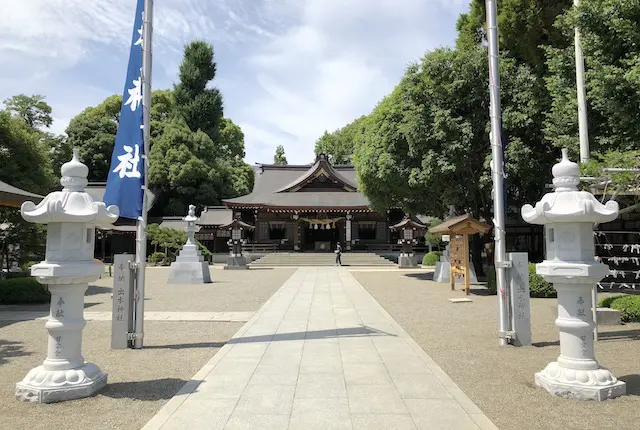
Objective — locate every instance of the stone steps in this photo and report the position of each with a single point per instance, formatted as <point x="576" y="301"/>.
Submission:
<point x="321" y="259"/>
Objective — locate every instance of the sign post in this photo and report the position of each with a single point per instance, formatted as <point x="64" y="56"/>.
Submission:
<point x="122" y="308"/>
<point x="518" y="277"/>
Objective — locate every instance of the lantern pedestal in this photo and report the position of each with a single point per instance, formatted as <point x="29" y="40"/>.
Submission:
<point x="190" y="267"/>
<point x="64" y="375"/>
<point x="236" y="263"/>
<point x="407" y="261"/>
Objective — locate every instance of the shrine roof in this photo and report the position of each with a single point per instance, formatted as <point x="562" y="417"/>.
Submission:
<point x="215" y="216"/>
<point x="237" y="223"/>
<point x="408" y="222"/>
<point x="278" y="186"/>
<point x="14" y="197"/>
<point x="463" y="224"/>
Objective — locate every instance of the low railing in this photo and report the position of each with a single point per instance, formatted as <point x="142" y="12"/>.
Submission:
<point x="392" y="247"/>
<point x="257" y="248"/>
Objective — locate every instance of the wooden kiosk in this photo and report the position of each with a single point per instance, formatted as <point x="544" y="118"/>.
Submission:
<point x="459" y="229"/>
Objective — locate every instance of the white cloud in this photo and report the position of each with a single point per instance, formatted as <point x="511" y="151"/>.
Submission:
<point x="333" y="62"/>
<point x="288" y="69"/>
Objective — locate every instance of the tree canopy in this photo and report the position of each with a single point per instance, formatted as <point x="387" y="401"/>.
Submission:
<point x="338" y="146"/>
<point x="279" y="158"/>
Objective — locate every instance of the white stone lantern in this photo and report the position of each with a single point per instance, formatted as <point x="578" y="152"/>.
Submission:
<point x="568" y="216"/>
<point x="190" y="266"/>
<point x="71" y="216"/>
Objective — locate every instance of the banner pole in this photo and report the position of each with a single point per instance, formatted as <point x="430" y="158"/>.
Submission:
<point x="498" y="174"/>
<point x="141" y="239"/>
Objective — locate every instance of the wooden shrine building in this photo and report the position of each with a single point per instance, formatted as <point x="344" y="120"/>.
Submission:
<point x="306" y="208"/>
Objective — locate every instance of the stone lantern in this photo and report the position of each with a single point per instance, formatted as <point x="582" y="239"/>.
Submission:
<point x="568" y="216"/>
<point x="190" y="266"/>
<point x="237" y="227"/>
<point x="410" y="229"/>
<point x="71" y="216"/>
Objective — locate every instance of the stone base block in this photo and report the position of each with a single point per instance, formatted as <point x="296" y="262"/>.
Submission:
<point x="598" y="384"/>
<point x="236" y="263"/>
<point x="443" y="270"/>
<point x="407" y="261"/>
<point x="189" y="273"/>
<point x="51" y="386"/>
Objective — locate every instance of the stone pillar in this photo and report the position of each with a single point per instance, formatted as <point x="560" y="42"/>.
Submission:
<point x="568" y="216"/>
<point x="190" y="267"/>
<point x="347" y="231"/>
<point x="71" y="215"/>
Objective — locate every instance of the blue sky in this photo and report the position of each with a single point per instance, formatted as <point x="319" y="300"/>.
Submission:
<point x="288" y="69"/>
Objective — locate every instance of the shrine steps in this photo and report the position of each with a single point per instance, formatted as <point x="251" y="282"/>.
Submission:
<point x="300" y="259"/>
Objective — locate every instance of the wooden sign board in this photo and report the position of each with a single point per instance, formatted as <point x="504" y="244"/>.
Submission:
<point x="459" y="260"/>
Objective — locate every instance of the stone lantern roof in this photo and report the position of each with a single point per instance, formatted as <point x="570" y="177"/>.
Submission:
<point x="72" y="204"/>
<point x="566" y="204"/>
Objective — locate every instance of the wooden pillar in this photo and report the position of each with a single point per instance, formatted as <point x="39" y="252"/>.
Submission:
<point x="296" y="243"/>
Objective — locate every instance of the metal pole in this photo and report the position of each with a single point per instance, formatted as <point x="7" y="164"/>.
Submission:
<point x="582" y="97"/>
<point x="497" y="172"/>
<point x="141" y="235"/>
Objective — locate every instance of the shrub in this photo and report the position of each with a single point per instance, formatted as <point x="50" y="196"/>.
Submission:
<point x="629" y="306"/>
<point x="431" y="258"/>
<point x="492" y="284"/>
<point x="157" y="257"/>
<point x="18" y="291"/>
<point x="26" y="266"/>
<point x="538" y="287"/>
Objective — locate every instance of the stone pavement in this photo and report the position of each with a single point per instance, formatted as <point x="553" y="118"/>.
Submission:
<point x="148" y="316"/>
<point x="321" y="354"/>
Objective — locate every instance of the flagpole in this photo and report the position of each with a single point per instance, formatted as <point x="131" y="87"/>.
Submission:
<point x="141" y="239"/>
<point x="497" y="172"/>
<point x="582" y="97"/>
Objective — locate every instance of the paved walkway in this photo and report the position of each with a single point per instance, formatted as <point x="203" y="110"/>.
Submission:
<point x="148" y="316"/>
<point x="320" y="354"/>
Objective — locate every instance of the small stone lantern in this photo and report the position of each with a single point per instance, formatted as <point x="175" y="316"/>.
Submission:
<point x="190" y="266"/>
<point x="236" y="260"/>
<point x="71" y="216"/>
<point x="568" y="216"/>
<point x="409" y="229"/>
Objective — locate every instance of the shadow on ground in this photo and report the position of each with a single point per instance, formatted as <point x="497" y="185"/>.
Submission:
<point x="187" y="345"/>
<point x="11" y="349"/>
<point x="314" y="334"/>
<point x="633" y="384"/>
<point x="157" y="389"/>
<point x="428" y="276"/>
<point x="96" y="289"/>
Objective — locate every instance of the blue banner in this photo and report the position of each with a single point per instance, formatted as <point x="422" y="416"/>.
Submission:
<point x="126" y="175"/>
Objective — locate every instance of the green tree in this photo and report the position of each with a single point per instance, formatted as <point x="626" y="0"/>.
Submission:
<point x="93" y="131"/>
<point x="425" y="147"/>
<point x="34" y="110"/>
<point x="279" y="158"/>
<point x="338" y="146"/>
<point x="525" y="28"/>
<point x="611" y="46"/>
<point x="196" y="101"/>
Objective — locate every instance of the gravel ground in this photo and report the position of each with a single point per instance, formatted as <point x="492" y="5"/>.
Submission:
<point x="230" y="291"/>
<point x="462" y="339"/>
<point x="140" y="381"/>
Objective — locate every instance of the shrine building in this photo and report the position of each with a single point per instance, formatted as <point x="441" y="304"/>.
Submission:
<point x="304" y="208"/>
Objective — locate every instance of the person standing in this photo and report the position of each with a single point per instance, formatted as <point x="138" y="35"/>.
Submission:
<point x="338" y="252"/>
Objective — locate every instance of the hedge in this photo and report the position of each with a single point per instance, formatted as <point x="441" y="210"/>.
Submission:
<point x="431" y="258"/>
<point x="629" y="306"/>
<point x="19" y="291"/>
<point x="538" y="287"/>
